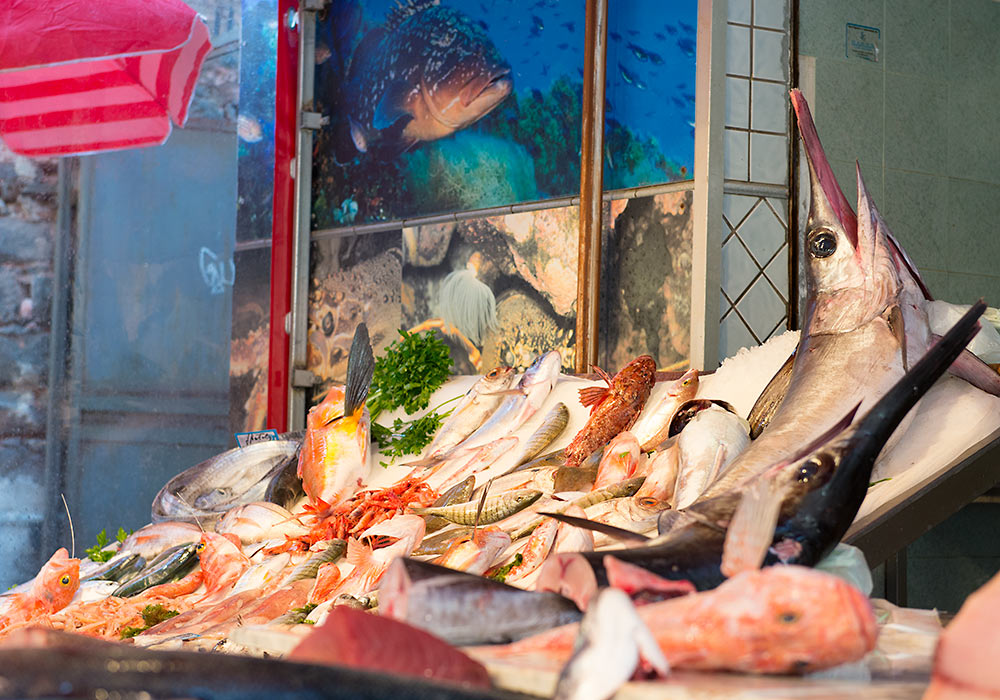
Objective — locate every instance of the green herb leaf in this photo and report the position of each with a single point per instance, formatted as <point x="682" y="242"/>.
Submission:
<point x="299" y="614"/>
<point x="151" y="615"/>
<point x="888" y="478"/>
<point x="122" y="535"/>
<point x="408" y="372"/>
<point x="406" y="437"/>
<point x="501" y="573"/>
<point x="95" y="553"/>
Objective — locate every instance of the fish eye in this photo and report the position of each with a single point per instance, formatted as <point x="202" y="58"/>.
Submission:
<point x="788" y="617"/>
<point x="822" y="244"/>
<point x="808" y="470"/>
<point x="64" y="581"/>
<point x="493" y="373"/>
<point x="686" y="382"/>
<point x="647" y="501"/>
<point x="200" y="547"/>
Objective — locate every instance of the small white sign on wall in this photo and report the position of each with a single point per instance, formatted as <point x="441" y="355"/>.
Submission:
<point x="862" y="42"/>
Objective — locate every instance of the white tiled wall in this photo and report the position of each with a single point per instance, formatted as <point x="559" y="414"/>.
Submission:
<point x="754" y="295"/>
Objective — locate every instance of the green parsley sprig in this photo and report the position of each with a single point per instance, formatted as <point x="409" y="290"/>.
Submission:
<point x="405" y="376"/>
<point x="500" y="574"/>
<point x="97" y="552"/>
<point x="151" y="615"/>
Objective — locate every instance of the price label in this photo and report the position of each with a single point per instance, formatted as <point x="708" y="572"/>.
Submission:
<point x="244" y="439"/>
<point x="862" y="42"/>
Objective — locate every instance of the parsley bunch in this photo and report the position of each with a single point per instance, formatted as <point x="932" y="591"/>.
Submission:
<point x="410" y="370"/>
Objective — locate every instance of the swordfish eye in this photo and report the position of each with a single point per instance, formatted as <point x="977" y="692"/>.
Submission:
<point x="822" y="244"/>
<point x="65" y="580"/>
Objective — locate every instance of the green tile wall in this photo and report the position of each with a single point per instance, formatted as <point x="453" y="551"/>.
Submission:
<point x="924" y="123"/>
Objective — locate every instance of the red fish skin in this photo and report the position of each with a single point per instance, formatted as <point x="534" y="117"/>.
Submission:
<point x="362" y="640"/>
<point x="617" y="411"/>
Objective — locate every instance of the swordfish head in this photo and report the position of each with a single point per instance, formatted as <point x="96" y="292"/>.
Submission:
<point x="853" y="269"/>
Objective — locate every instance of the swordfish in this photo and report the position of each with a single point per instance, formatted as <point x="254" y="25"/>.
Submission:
<point x="864" y="323"/>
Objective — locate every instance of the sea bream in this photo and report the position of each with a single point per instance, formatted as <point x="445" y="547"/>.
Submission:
<point x="425" y="73"/>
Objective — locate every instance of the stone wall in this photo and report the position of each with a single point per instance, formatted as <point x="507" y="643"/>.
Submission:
<point x="27" y="234"/>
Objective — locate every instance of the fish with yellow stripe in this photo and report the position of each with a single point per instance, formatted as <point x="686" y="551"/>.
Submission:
<point x="336" y="452"/>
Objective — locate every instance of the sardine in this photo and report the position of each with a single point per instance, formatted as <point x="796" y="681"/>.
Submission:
<point x="173" y="566"/>
<point x="467" y="609"/>
<point x="124" y="565"/>
<point x="496" y="508"/>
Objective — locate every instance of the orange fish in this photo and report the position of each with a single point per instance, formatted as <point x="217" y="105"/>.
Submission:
<point x="477" y="552"/>
<point x="334" y="456"/>
<point x="52" y="590"/>
<point x="965" y="665"/>
<point x="222" y="561"/>
<point x="780" y="619"/>
<point x="614" y="409"/>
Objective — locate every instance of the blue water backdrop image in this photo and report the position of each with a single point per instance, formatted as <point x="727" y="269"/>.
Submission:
<point x="455" y="105"/>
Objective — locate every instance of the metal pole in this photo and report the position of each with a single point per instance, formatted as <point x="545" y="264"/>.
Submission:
<point x="299" y="315"/>
<point x="709" y="165"/>
<point x="588" y="287"/>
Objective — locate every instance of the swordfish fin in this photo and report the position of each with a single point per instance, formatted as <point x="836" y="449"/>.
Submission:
<point x="772" y="396"/>
<point x="616" y="532"/>
<point x="360" y="367"/>
<point x="975" y="372"/>
<point x="751" y="529"/>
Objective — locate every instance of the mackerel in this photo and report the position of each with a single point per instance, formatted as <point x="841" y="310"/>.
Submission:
<point x="496" y="508"/>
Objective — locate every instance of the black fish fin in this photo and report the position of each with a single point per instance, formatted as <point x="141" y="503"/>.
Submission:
<point x="360" y="367"/>
<point x="616" y="532"/>
<point x="751" y="529"/>
<point x="391" y="107"/>
<point x="769" y="399"/>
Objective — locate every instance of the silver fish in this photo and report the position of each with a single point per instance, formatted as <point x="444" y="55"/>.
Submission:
<point x="496" y="508"/>
<point x="652" y="425"/>
<point x="470" y="412"/>
<point x="709" y="443"/>
<point x="203" y="493"/>
<point x="533" y="388"/>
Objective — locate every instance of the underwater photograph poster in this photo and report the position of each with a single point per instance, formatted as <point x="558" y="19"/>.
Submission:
<point x="436" y="106"/>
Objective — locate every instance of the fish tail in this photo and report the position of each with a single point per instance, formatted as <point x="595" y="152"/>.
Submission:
<point x="360" y="367"/>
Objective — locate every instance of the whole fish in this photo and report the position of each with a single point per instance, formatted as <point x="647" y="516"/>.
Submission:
<point x="52" y="590"/>
<point x="622" y="489"/>
<point x="524" y="400"/>
<point x="496" y="508"/>
<point x="785" y="619"/>
<point x="467" y="609"/>
<point x="459" y="493"/>
<point x="818" y="493"/>
<point x="427" y="72"/>
<point x="614" y="408"/>
<point x="336" y="450"/>
<point x="333" y="551"/>
<point x="255" y="522"/>
<point x="711" y="440"/>
<point x="476" y="552"/>
<point x="172" y="564"/>
<point x="469" y="413"/>
<point x="653" y="424"/>
<point x="206" y="491"/>
<point x="121" y="566"/>
<point x="853" y="344"/>
<point x="151" y="540"/>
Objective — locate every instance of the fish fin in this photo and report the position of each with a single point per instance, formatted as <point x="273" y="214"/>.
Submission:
<point x="772" y="396"/>
<point x="360" y="367"/>
<point x="894" y="318"/>
<point x="976" y="372"/>
<point x="720" y="458"/>
<point x="616" y="532"/>
<point x="634" y="580"/>
<point x="751" y="529"/>
<point x="358" y="555"/>
<point x="602" y="374"/>
<point x="593" y="396"/>
<point x="389" y="111"/>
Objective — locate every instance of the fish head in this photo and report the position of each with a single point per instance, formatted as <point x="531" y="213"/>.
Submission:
<point x="221" y="558"/>
<point x="800" y="619"/>
<point x="329" y="409"/>
<point x="464" y="76"/>
<point x="57" y="581"/>
<point x="851" y="269"/>
<point x="686" y="386"/>
<point x="523" y="499"/>
<point x="497" y="379"/>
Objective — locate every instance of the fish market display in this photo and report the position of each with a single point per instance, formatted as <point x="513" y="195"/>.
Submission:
<point x="679" y="532"/>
